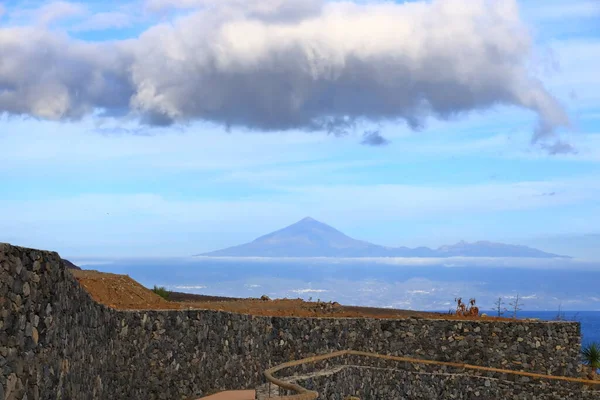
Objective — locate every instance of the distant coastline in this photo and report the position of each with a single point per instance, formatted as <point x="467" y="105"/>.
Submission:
<point x="390" y="258"/>
<point x="423" y="260"/>
<point x="447" y="262"/>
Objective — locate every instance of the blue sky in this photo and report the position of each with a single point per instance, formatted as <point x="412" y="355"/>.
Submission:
<point x="81" y="177"/>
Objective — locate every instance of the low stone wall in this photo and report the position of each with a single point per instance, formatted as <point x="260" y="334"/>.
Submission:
<point x="372" y="377"/>
<point x="369" y="383"/>
<point x="57" y="343"/>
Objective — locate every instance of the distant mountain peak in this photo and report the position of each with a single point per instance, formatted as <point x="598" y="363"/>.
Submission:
<point x="311" y="238"/>
<point x="309" y="221"/>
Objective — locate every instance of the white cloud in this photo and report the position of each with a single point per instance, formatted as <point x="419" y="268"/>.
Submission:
<point x="560" y="10"/>
<point x="85" y="263"/>
<point x="104" y="20"/>
<point x="529" y="297"/>
<point x="574" y="78"/>
<point x="189" y="287"/>
<point x="80" y="146"/>
<point x="435" y="200"/>
<point x="279" y="10"/>
<point x="65" y="16"/>
<point x="337" y="201"/>
<point x="310" y="66"/>
<point x="304" y="291"/>
<point x="48" y="13"/>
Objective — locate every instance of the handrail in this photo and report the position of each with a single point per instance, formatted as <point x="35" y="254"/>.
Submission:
<point x="305" y="394"/>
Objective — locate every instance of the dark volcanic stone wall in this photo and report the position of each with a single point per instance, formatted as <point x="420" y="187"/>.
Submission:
<point x="57" y="343"/>
<point x="386" y="384"/>
<point x="370" y="378"/>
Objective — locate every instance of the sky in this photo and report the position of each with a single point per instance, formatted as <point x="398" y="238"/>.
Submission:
<point x="170" y="128"/>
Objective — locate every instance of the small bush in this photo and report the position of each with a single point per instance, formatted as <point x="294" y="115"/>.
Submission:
<point x="591" y="357"/>
<point x="161" y="291"/>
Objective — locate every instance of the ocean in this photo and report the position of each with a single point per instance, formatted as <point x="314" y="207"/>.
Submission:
<point x="542" y="292"/>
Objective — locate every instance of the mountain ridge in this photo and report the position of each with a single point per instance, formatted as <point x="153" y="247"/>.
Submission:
<point x="311" y="238"/>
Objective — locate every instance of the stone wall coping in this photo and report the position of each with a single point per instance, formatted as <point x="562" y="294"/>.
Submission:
<point x="468" y="320"/>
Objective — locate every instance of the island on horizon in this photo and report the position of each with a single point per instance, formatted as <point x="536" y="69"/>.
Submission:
<point x="311" y="238"/>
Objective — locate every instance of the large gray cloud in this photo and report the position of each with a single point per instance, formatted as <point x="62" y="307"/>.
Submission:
<point x="51" y="76"/>
<point x="296" y="64"/>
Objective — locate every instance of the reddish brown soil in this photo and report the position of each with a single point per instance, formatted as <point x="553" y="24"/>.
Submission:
<point x="119" y="291"/>
<point x="122" y="292"/>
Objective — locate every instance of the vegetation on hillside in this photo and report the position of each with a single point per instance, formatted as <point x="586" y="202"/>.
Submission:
<point x="162" y="292"/>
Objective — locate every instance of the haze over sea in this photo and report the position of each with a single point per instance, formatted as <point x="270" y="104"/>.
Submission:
<point x="422" y="284"/>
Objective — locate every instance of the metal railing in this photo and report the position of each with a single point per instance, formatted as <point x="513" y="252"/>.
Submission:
<point x="305" y="394"/>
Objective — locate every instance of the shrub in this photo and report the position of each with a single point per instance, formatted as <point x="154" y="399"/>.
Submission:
<point x="161" y="291"/>
<point x="591" y="357"/>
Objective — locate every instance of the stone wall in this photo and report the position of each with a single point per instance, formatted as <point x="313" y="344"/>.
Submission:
<point x="57" y="343"/>
<point x="369" y="379"/>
